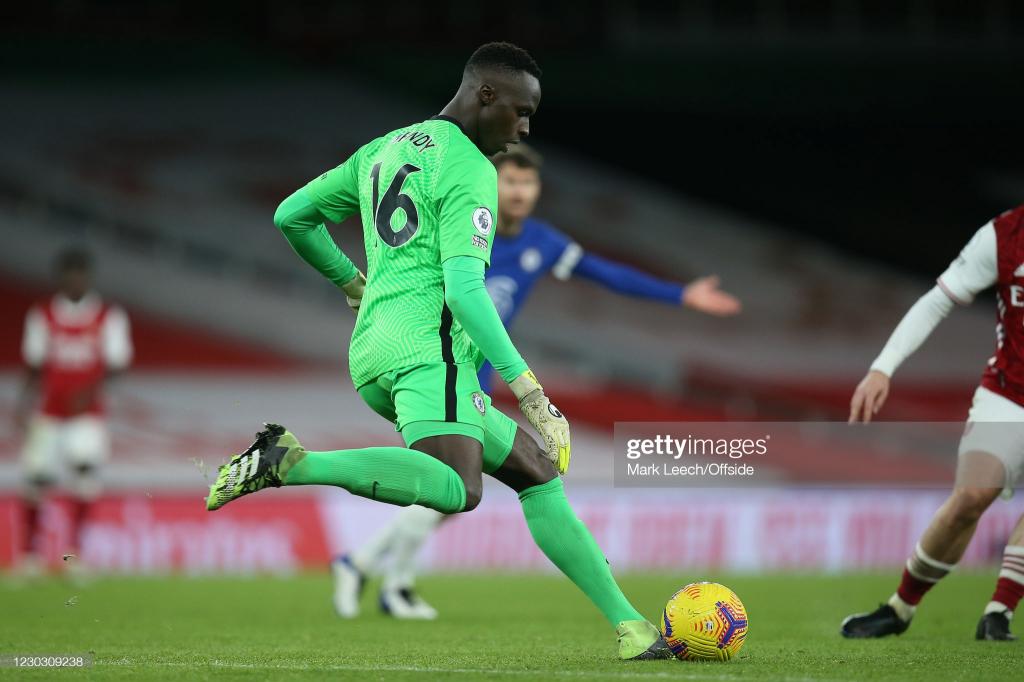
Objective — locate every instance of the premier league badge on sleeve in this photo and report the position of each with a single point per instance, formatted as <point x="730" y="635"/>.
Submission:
<point x="482" y="220"/>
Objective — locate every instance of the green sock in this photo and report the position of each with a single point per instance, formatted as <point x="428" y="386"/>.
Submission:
<point x="396" y="475"/>
<point x="566" y="541"/>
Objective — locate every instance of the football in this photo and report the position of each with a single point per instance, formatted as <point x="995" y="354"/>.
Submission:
<point x="704" y="622"/>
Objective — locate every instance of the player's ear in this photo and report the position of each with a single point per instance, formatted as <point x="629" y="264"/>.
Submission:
<point x="486" y="94"/>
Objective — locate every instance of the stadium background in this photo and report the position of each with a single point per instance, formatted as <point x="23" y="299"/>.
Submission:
<point x="826" y="159"/>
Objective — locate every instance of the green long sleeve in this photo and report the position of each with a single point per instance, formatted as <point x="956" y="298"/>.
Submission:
<point x="466" y="296"/>
<point x="303" y="227"/>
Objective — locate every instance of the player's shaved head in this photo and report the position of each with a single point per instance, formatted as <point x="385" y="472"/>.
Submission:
<point x="500" y="91"/>
<point x="500" y="57"/>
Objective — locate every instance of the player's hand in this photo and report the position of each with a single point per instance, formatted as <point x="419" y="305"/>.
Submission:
<point x="704" y="295"/>
<point x="869" y="397"/>
<point x="545" y="418"/>
<point x="354" y="291"/>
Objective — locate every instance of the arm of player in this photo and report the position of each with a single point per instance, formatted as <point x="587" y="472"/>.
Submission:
<point x="117" y="341"/>
<point x="910" y="333"/>
<point x="333" y="195"/>
<point x="467" y="298"/>
<point x="973" y="271"/>
<point x="467" y="200"/>
<point x="702" y="294"/>
<point x="34" y="341"/>
<point x="303" y="226"/>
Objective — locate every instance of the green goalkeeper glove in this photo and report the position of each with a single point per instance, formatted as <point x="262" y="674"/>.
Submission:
<point x="544" y="417"/>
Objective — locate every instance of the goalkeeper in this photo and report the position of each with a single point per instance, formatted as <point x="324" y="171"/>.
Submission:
<point x="525" y="250"/>
<point x="427" y="196"/>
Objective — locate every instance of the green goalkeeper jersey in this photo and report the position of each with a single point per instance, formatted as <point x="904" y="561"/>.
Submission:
<point x="425" y="194"/>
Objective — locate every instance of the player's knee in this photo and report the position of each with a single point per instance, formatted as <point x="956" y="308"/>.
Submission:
<point x="474" y="493"/>
<point x="527" y="466"/>
<point x="35" y="488"/>
<point x="473" y="483"/>
<point x="966" y="505"/>
<point x="541" y="470"/>
<point x="86" y="483"/>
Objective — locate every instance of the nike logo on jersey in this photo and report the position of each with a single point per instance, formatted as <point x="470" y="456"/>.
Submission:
<point x="417" y="139"/>
<point x="1019" y="272"/>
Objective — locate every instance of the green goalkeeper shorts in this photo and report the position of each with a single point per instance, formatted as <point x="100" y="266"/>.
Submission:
<point x="439" y="399"/>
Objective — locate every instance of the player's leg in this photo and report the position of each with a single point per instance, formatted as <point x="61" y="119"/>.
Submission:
<point x="406" y="535"/>
<point x="990" y="459"/>
<point x="402" y="539"/>
<point x="34" y="489"/>
<point x="410" y="399"/>
<point x="398" y="541"/>
<point x="981" y="475"/>
<point x="40" y="465"/>
<point x="432" y="425"/>
<point x="995" y="621"/>
<point x="389" y="552"/>
<point x="515" y="459"/>
<point x="86" y="444"/>
<point x="398" y="594"/>
<point x="936" y="554"/>
<point x="395" y="475"/>
<point x="441" y="472"/>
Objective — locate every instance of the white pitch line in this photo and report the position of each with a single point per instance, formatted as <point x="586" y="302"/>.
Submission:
<point x="341" y="667"/>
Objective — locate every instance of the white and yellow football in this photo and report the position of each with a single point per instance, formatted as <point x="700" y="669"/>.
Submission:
<point x="704" y="622"/>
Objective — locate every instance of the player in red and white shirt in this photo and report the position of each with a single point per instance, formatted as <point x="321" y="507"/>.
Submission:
<point x="991" y="452"/>
<point x="72" y="344"/>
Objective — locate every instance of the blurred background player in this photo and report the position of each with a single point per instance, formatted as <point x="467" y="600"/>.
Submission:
<point x="991" y="453"/>
<point x="525" y="250"/>
<point x="73" y="343"/>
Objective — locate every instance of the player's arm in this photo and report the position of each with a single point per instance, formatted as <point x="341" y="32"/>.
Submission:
<point x="33" y="352"/>
<point x="467" y="298"/>
<point x="702" y="294"/>
<point x="973" y="271"/>
<point x="467" y="195"/>
<point x="335" y="196"/>
<point x="116" y="341"/>
<point x="118" y="350"/>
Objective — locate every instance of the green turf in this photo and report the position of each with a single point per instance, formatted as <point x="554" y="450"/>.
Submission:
<point x="491" y="627"/>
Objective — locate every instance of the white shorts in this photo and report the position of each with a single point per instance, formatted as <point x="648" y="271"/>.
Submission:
<point x="996" y="425"/>
<point x="50" y="443"/>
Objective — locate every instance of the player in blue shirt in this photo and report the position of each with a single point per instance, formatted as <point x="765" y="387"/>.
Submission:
<point x="525" y="250"/>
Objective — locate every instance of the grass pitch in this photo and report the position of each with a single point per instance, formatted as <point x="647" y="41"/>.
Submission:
<point x="491" y="627"/>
